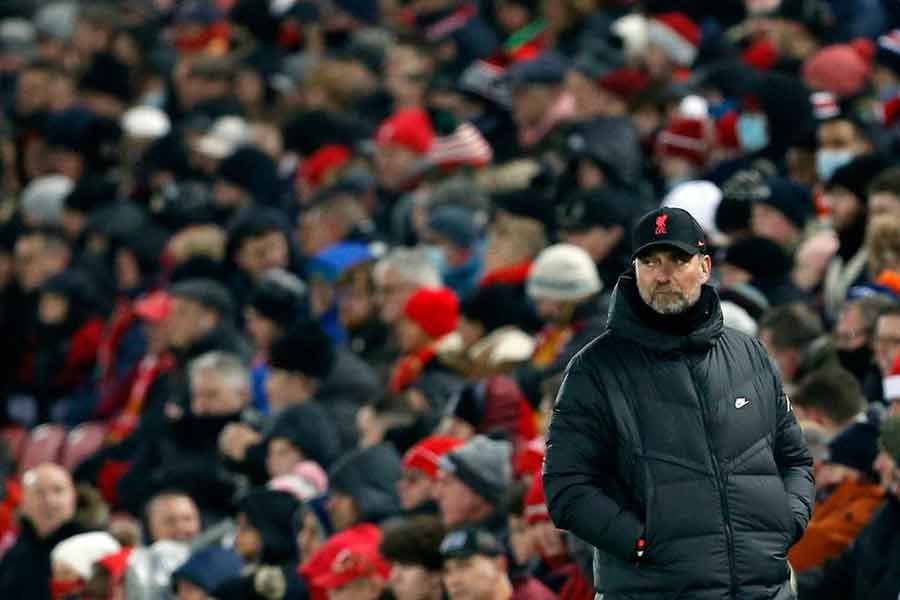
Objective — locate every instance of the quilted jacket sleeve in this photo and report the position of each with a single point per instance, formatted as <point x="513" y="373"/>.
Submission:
<point x="581" y="447"/>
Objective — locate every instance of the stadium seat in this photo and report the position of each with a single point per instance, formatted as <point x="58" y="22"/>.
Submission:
<point x="82" y="442"/>
<point x="45" y="444"/>
<point x="13" y="437"/>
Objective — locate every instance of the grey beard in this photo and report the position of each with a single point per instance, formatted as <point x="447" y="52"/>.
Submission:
<point x="670" y="307"/>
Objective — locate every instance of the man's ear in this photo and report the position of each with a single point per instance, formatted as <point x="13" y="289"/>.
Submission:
<point x="706" y="267"/>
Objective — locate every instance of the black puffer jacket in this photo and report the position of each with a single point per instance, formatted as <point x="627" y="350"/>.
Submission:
<point x="688" y="439"/>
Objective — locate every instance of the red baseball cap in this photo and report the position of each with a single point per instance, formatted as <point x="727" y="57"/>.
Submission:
<point x="425" y="455"/>
<point x="354" y="563"/>
<point x="154" y="307"/>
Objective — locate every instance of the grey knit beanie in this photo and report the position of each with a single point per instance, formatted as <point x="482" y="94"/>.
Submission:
<point x="483" y="465"/>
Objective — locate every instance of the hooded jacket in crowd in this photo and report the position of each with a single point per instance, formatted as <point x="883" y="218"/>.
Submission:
<point x="369" y="476"/>
<point x="676" y="430"/>
<point x="25" y="569"/>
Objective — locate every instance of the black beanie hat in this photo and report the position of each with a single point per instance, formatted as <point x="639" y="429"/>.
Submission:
<point x="253" y="171"/>
<point x="792" y="200"/>
<point x="108" y="75"/>
<point x="279" y="297"/>
<point x="370" y="476"/>
<point x="271" y="513"/>
<point x="856" y="176"/>
<point x="494" y="306"/>
<point x="309" y="429"/>
<point x="305" y="349"/>
<point x="855" y="447"/>
<point x="761" y="257"/>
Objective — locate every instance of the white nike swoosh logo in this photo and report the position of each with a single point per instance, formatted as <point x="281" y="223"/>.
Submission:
<point x="741" y="403"/>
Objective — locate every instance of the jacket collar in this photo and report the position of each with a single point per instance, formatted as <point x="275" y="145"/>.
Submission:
<point x="625" y="322"/>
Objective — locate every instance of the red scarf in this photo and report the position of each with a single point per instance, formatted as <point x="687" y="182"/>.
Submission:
<point x="408" y="368"/>
<point x="512" y="275"/>
<point x="148" y="370"/>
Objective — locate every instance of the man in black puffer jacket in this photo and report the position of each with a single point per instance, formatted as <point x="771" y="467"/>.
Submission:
<point x="673" y="449"/>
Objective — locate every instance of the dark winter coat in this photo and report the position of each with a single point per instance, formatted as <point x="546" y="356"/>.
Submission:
<point x="25" y="569"/>
<point x="687" y="441"/>
<point x="867" y="570"/>
<point x="369" y="475"/>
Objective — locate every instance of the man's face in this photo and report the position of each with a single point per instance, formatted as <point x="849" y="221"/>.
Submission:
<point x="414" y="488"/>
<point x="31" y="91"/>
<point x="282" y="457"/>
<point x="785" y="359"/>
<point x="174" y="518"/>
<point x="260" y="254"/>
<point x="284" y="388"/>
<point x="188" y="322"/>
<point x="530" y="103"/>
<point x="49" y="498"/>
<point x="214" y="395"/>
<point x="262" y="330"/>
<point x="358" y="589"/>
<point x="394" y="165"/>
<point x="846" y="209"/>
<point x="850" y="330"/>
<point x="770" y="223"/>
<point x="356" y="303"/>
<point x="37" y="261"/>
<point x="730" y="275"/>
<point x="473" y="578"/>
<point x="248" y="543"/>
<point x="458" y="504"/>
<point x="413" y="582"/>
<point x="840" y="134"/>
<point x="554" y="312"/>
<point x="342" y="510"/>
<point x="409" y="336"/>
<point x="670" y="280"/>
<point x="887" y="342"/>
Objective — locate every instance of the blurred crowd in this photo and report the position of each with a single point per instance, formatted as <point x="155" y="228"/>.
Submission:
<point x="288" y="287"/>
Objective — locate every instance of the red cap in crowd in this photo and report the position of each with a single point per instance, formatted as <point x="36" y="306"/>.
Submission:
<point x="154" y="307"/>
<point x="323" y="161"/>
<point x="410" y="128"/>
<point x="436" y="311"/>
<point x="425" y="455"/>
<point x="351" y="564"/>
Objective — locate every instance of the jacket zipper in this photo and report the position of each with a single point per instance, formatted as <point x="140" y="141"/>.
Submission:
<point x="720" y="484"/>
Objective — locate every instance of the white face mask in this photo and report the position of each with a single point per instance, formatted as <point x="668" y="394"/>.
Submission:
<point x="829" y="161"/>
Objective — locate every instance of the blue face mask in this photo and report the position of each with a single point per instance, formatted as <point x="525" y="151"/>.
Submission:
<point x="829" y="161"/>
<point x="752" y="132"/>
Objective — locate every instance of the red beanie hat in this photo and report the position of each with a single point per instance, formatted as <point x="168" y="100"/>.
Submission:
<point x="675" y="33"/>
<point x="842" y="69"/>
<point x="434" y="310"/>
<point x="410" y="128"/>
<point x="323" y="160"/>
<point x="535" y="502"/>
<point x="685" y="137"/>
<point x="625" y="83"/>
<point x="425" y="455"/>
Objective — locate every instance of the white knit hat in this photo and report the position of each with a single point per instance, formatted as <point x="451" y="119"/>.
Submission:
<point x="43" y="199"/>
<point x="81" y="551"/>
<point x="563" y="272"/>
